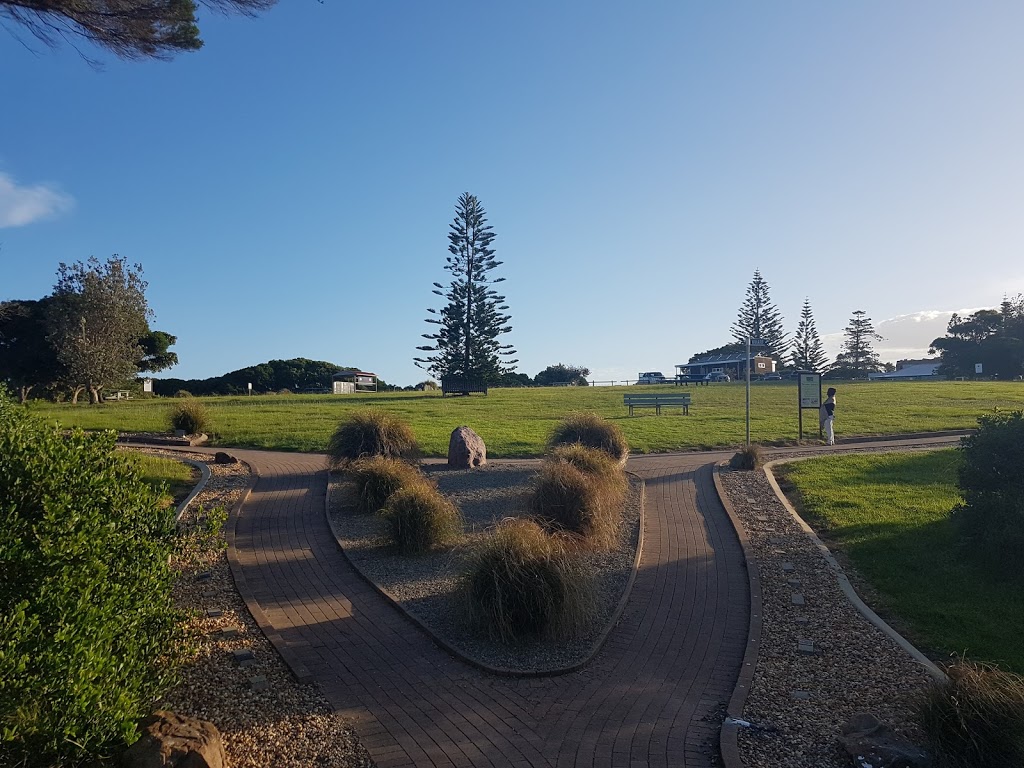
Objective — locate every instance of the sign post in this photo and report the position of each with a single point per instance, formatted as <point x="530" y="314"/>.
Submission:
<point x="758" y="343"/>
<point x="250" y="389"/>
<point x="808" y="395"/>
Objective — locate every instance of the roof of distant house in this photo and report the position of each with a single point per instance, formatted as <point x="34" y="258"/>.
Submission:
<point x="919" y="371"/>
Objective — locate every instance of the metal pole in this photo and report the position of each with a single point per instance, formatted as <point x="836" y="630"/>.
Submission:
<point x="748" y="390"/>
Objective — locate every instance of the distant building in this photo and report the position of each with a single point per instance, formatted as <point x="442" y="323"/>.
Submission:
<point x="350" y="382"/>
<point x="910" y="370"/>
<point x="733" y="365"/>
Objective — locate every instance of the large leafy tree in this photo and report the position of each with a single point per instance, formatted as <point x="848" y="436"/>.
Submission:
<point x="808" y="351"/>
<point x="994" y="338"/>
<point x="156" y="354"/>
<point x="27" y="359"/>
<point x="857" y="357"/>
<point x="466" y="342"/>
<point x="760" y="319"/>
<point x="575" y="375"/>
<point x="132" y="29"/>
<point x="97" y="316"/>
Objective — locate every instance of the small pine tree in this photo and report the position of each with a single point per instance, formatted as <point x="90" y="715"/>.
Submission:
<point x="466" y="344"/>
<point x="808" y="352"/>
<point x="760" y="319"/>
<point x="858" y="358"/>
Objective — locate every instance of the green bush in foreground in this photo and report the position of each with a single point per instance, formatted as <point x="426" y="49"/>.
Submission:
<point x="190" y="416"/>
<point x="991" y="479"/>
<point x="422" y="519"/>
<point x="377" y="477"/>
<point x="568" y="500"/>
<point x="86" y="619"/>
<point x="590" y="430"/>
<point x="371" y="432"/>
<point x="522" y="583"/>
<point x="976" y="719"/>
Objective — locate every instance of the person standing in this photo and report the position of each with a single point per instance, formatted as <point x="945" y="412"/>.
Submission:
<point x="827" y="416"/>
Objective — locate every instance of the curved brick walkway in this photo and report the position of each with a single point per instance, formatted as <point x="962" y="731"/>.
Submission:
<point x="652" y="697"/>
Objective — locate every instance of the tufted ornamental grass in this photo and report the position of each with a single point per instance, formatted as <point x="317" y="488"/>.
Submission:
<point x="590" y="430"/>
<point x="190" y="416"/>
<point x="378" y="477"/>
<point x="976" y="718"/>
<point x="371" y="432"/>
<point x="421" y="519"/>
<point x="748" y="458"/>
<point x="568" y="500"/>
<point x="522" y="583"/>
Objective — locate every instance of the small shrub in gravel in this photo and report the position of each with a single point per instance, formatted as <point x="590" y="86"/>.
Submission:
<point x="522" y="583"/>
<point x="421" y="519"/>
<point x="748" y="458"/>
<point x="567" y="500"/>
<point x="976" y="719"/>
<point x="190" y="415"/>
<point x="591" y="430"/>
<point x="183" y="393"/>
<point x="371" y="433"/>
<point x="377" y="478"/>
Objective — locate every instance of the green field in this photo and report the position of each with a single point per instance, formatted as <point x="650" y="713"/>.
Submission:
<point x="890" y="514"/>
<point x="517" y="422"/>
<point x="158" y="472"/>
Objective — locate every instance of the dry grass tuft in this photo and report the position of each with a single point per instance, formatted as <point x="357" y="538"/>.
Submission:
<point x="377" y="477"/>
<point x="591" y="430"/>
<point x="421" y="519"/>
<point x="371" y="433"/>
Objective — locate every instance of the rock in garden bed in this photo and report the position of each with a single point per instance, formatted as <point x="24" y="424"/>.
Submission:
<point x="428" y="586"/>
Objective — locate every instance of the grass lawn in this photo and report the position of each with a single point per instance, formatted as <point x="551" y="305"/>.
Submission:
<point x="517" y="422"/>
<point x="176" y="477"/>
<point x="890" y="515"/>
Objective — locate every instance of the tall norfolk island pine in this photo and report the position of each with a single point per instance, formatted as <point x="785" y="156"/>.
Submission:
<point x="466" y="343"/>
<point x="808" y="352"/>
<point x="760" y="319"/>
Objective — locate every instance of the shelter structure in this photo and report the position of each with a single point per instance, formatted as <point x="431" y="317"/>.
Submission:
<point x="733" y="365"/>
<point x="351" y="382"/>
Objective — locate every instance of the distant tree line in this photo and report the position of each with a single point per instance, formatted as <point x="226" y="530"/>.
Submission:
<point x="992" y="337"/>
<point x="272" y="376"/>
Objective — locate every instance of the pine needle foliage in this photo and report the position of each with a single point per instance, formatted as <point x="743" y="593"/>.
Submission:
<point x="466" y="343"/>
<point x="421" y="519"/>
<point x="371" y="432"/>
<point x="592" y="431"/>
<point x="858" y="357"/>
<point x="808" y="351"/>
<point x="760" y="319"/>
<point x="522" y="583"/>
<point x="377" y="478"/>
<point x="976" y="718"/>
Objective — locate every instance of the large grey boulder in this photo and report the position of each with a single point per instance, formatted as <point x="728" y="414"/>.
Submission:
<point x="466" y="449"/>
<point x="872" y="744"/>
<point x="170" y="740"/>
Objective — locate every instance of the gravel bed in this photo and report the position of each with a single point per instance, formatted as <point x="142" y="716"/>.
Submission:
<point x="285" y="725"/>
<point x="428" y="586"/>
<point x="799" y="700"/>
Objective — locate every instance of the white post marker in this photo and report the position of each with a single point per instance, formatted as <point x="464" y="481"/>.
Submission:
<point x="250" y="389"/>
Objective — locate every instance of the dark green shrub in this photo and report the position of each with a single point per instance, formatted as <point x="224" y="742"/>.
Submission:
<point x="377" y="477"/>
<point x="591" y="430"/>
<point x="748" y="458"/>
<point x="522" y="583"/>
<point x="976" y="719"/>
<point x="568" y="500"/>
<point x="189" y="415"/>
<point x="86" y="621"/>
<point x="421" y="519"/>
<point x="183" y="393"/>
<point x="371" y="433"/>
<point x="991" y="477"/>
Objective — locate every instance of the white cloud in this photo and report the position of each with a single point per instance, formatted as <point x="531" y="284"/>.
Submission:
<point x="23" y="205"/>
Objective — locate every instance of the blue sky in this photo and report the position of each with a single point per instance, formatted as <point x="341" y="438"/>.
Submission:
<point x="288" y="189"/>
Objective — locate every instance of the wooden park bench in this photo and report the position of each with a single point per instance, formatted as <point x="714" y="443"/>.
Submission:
<point x="460" y="385"/>
<point x="658" y="402"/>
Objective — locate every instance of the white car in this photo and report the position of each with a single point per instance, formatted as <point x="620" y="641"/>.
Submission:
<point x="651" y="377"/>
<point x="717" y="376"/>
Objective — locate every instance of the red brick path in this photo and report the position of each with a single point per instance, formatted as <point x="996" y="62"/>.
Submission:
<point x="652" y="697"/>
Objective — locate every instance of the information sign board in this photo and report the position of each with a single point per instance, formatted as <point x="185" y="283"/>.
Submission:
<point x="810" y="390"/>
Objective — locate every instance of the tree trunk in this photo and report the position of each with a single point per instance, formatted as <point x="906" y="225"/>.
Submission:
<point x="94" y="396"/>
<point x="75" y="392"/>
<point x="23" y="393"/>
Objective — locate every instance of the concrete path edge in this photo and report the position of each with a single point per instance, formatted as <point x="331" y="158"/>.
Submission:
<point x="502" y="671"/>
<point x="843" y="579"/>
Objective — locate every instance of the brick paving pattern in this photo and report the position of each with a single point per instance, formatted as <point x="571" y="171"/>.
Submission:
<point x="653" y="696"/>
